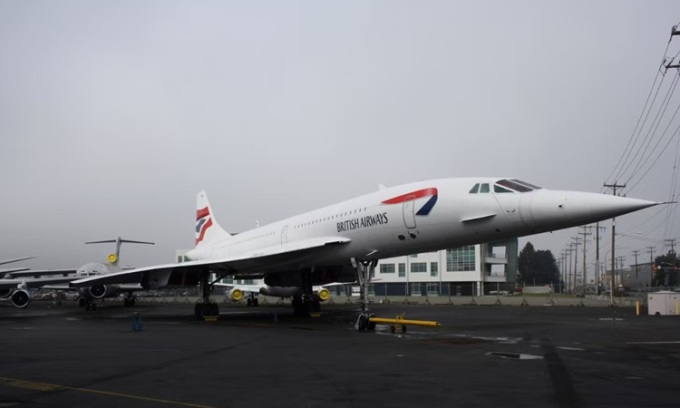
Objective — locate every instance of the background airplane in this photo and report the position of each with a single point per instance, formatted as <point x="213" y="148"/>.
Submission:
<point x="17" y="283"/>
<point x="342" y="242"/>
<point x="6" y="271"/>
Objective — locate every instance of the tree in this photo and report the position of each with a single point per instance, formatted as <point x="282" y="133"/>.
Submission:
<point x="666" y="270"/>
<point x="537" y="267"/>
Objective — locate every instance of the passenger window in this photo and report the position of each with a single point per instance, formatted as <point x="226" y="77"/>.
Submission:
<point x="484" y="188"/>
<point x="475" y="189"/>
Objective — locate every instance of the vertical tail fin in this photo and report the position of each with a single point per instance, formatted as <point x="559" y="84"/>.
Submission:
<point x="207" y="228"/>
<point x="114" y="258"/>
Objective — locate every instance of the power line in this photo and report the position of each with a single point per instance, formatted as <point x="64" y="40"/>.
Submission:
<point x="621" y="167"/>
<point x="633" y="137"/>
<point x="652" y="130"/>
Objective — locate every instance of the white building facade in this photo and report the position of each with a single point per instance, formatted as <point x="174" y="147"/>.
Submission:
<point x="466" y="271"/>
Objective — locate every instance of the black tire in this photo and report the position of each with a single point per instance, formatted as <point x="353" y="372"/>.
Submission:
<point x="371" y="325"/>
<point x="362" y="323"/>
<point x="315" y="306"/>
<point x="255" y="302"/>
<point x="249" y="302"/>
<point x="299" y="308"/>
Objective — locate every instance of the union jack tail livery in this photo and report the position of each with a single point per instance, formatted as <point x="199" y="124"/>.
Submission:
<point x="207" y="228"/>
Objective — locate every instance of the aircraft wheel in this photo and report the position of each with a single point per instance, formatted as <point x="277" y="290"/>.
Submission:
<point x="298" y="306"/>
<point x="82" y="302"/>
<point x="255" y="302"/>
<point x="249" y="302"/>
<point x="315" y="306"/>
<point x="371" y="325"/>
<point x="392" y="329"/>
<point x="362" y="323"/>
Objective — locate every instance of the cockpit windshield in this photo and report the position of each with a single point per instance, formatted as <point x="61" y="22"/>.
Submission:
<point x="504" y="186"/>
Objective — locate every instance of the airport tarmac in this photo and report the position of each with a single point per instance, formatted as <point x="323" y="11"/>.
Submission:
<point x="481" y="356"/>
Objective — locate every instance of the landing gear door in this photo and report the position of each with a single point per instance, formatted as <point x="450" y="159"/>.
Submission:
<point x="409" y="212"/>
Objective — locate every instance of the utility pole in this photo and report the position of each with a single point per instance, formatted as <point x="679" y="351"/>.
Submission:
<point x="585" y="234"/>
<point x="568" y="265"/>
<point x="597" y="257"/>
<point x="576" y="242"/>
<point x="563" y="263"/>
<point x="621" y="259"/>
<point x="613" y="187"/>
<point x="651" y="251"/>
<point x="637" y="267"/>
<point x="671" y="243"/>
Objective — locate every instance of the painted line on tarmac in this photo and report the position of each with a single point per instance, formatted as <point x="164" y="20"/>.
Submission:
<point x="46" y="387"/>
<point x="653" y="342"/>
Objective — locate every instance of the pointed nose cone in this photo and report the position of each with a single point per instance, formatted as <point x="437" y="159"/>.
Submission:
<point x="551" y="210"/>
<point x="591" y="207"/>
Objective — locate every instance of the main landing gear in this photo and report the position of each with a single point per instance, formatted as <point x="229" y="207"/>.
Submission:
<point x="304" y="305"/>
<point x="307" y="303"/>
<point x="205" y="307"/>
<point x="252" y="300"/>
<point x="129" y="300"/>
<point x="364" y="271"/>
<point x="88" y="304"/>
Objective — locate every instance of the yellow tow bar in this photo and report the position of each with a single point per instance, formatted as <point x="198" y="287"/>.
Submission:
<point x="400" y="323"/>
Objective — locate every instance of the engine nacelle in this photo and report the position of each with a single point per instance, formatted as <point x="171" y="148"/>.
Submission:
<point x="21" y="298"/>
<point x="102" y="291"/>
<point x="234" y="294"/>
<point x="280" y="291"/>
<point x="323" y="294"/>
<point x="5" y="293"/>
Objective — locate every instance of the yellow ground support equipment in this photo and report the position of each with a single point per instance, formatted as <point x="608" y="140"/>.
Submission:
<point x="400" y="323"/>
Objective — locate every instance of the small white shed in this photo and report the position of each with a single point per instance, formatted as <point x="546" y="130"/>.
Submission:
<point x="663" y="303"/>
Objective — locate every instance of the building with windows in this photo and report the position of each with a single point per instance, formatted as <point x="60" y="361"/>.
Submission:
<point x="471" y="270"/>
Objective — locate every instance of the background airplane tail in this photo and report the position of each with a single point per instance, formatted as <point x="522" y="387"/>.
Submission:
<point x="207" y="228"/>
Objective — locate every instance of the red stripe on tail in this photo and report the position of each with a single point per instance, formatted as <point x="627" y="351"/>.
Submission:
<point x="202" y="213"/>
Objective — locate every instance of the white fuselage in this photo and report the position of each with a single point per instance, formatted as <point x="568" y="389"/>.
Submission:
<point x="404" y="220"/>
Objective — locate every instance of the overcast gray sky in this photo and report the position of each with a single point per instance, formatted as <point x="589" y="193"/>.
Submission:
<point x="113" y="115"/>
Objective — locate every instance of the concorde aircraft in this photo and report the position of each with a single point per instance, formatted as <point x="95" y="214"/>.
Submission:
<point x="343" y="242"/>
